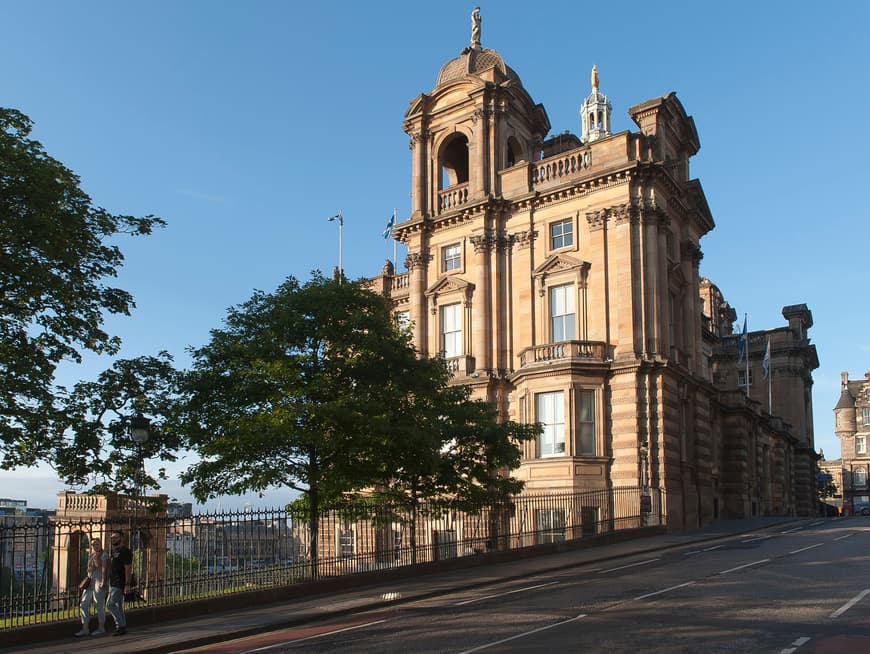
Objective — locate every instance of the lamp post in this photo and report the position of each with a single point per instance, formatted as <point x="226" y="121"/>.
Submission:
<point x="140" y="430"/>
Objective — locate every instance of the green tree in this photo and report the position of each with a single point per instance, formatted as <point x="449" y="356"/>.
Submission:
<point x="57" y="251"/>
<point x="444" y="445"/>
<point x="93" y="444"/>
<point x="288" y="393"/>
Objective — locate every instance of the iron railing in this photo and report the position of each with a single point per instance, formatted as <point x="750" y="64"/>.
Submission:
<point x="183" y="559"/>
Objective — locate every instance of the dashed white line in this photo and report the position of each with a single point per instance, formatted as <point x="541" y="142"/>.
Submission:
<point x="804" y="549"/>
<point x="664" y="590"/>
<point x="846" y="536"/>
<point x="795" y="645"/>
<point x="509" y="592"/>
<point x="848" y="605"/>
<point x="715" y="547"/>
<point x="522" y="635"/>
<point x="788" y="531"/>
<point x="745" y="565"/>
<point x="323" y="635"/>
<point x="630" y="565"/>
<point x="750" y="540"/>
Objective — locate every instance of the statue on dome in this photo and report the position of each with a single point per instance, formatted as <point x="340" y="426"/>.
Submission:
<point x="475" y="28"/>
<point x="594" y="77"/>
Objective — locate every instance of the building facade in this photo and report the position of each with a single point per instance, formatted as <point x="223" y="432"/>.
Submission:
<point x="559" y="277"/>
<point x="852" y="427"/>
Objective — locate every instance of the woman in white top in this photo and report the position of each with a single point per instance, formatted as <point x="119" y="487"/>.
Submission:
<point x="94" y="587"/>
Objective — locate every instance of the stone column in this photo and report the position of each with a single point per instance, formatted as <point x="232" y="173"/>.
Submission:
<point x="417" y="264"/>
<point x="481" y="321"/>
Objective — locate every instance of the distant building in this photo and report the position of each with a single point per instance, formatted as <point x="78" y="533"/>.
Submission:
<point x="559" y="276"/>
<point x="852" y="427"/>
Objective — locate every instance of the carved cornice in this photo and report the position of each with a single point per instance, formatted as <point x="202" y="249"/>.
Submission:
<point x="483" y="242"/>
<point x="417" y="260"/>
<point x="523" y="240"/>
<point x="628" y="212"/>
<point x="690" y="250"/>
<point x="417" y="137"/>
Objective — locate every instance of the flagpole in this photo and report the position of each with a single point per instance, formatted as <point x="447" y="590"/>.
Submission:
<point x="340" y="219"/>
<point x="394" y="240"/>
<point x="746" y="345"/>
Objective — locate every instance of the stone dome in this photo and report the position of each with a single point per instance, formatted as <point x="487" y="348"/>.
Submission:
<point x="475" y="61"/>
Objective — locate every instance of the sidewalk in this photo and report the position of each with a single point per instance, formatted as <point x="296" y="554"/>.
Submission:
<point x="217" y="627"/>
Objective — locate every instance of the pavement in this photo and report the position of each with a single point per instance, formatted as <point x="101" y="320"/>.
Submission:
<point x="146" y="635"/>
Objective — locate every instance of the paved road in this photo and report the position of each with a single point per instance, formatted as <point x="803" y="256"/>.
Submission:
<point x="796" y="588"/>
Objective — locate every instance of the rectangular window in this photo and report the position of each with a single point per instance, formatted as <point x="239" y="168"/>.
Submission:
<point x="549" y="526"/>
<point x="451" y="330"/>
<point x="741" y="378"/>
<point x="403" y="319"/>
<point x="550" y="412"/>
<point x="444" y="544"/>
<point x="561" y="234"/>
<point x="860" y="445"/>
<point x="562" y="312"/>
<point x="865" y="415"/>
<point x="586" y="423"/>
<point x="450" y="257"/>
<point x="345" y="542"/>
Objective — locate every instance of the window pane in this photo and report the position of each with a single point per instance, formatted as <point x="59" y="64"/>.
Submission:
<point x="586" y="423"/>
<point x="450" y="258"/>
<point x="550" y="412"/>
<point x="562" y="320"/>
<point x="451" y="330"/>
<point x="561" y="234"/>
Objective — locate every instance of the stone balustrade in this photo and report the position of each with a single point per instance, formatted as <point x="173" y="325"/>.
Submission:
<point x="561" y="167"/>
<point x="566" y="351"/>
<point x="452" y="197"/>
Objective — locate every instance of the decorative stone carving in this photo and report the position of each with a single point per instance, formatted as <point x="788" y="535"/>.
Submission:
<point x="483" y="242"/>
<point x="417" y="260"/>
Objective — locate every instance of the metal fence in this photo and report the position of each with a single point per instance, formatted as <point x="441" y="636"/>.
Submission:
<point x="183" y="559"/>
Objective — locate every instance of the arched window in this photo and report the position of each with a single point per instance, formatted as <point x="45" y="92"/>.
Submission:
<point x="454" y="161"/>
<point x="860" y="477"/>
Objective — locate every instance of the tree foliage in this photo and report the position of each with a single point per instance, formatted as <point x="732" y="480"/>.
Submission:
<point x="56" y="255"/>
<point x="94" y="446"/>
<point x="315" y="388"/>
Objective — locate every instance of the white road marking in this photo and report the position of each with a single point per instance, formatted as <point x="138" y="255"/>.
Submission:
<point x="788" y="531"/>
<point x="630" y="565"/>
<point x="846" y="536"/>
<point x="666" y="590"/>
<point x="750" y="540"/>
<point x="848" y="605"/>
<point x="522" y="635"/>
<point x="745" y="565"/>
<point x="796" y="644"/>
<point x="302" y="640"/>
<point x="804" y="549"/>
<point x="715" y="547"/>
<point x="509" y="592"/>
<point x="813" y="524"/>
<point x="692" y="553"/>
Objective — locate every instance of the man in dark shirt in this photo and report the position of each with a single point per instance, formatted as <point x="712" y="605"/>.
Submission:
<point x="120" y="581"/>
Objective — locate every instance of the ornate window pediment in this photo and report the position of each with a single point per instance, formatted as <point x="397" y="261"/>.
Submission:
<point x="559" y="264"/>
<point x="453" y="286"/>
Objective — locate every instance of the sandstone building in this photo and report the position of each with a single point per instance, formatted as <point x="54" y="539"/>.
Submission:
<point x="852" y="427"/>
<point x="559" y="277"/>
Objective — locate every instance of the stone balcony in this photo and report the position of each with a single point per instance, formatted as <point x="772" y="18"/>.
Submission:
<point x="564" y="352"/>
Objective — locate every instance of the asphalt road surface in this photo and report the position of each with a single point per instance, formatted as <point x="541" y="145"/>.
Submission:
<point x="784" y="590"/>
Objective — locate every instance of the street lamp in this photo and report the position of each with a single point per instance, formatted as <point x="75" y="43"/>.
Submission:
<point x="140" y="430"/>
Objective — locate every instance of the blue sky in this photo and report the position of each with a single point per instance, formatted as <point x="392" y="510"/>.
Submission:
<point x="245" y="125"/>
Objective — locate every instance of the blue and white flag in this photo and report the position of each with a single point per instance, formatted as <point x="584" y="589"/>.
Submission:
<point x="388" y="231"/>
<point x="765" y="362"/>
<point x="741" y="344"/>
